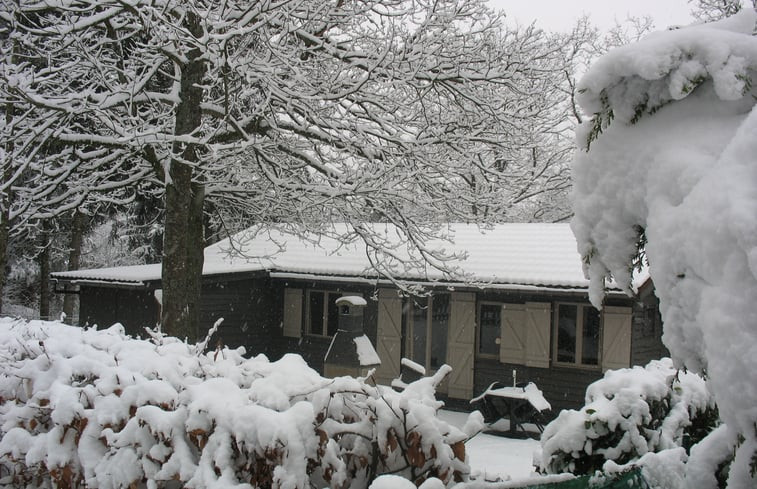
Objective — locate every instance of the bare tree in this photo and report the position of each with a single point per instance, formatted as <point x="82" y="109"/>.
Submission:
<point x="289" y="110"/>
<point x="710" y="10"/>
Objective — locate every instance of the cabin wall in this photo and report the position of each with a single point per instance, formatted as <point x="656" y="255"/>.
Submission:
<point x="647" y="331"/>
<point x="313" y="347"/>
<point x="249" y="309"/>
<point x="253" y="313"/>
<point x="564" y="388"/>
<point x="104" y="306"/>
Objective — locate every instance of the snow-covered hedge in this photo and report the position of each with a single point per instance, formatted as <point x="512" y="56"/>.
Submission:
<point x="87" y="408"/>
<point x="629" y="413"/>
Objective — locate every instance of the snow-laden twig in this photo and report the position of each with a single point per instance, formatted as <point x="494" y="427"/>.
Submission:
<point x="200" y="347"/>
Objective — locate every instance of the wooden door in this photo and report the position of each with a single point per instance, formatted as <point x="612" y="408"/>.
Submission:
<point x="389" y="335"/>
<point x="462" y="343"/>
<point x="616" y="338"/>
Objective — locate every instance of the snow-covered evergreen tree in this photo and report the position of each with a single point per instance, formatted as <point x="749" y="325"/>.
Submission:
<point x="666" y="171"/>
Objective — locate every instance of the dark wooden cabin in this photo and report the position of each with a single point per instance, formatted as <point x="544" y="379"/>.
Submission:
<point x="527" y="312"/>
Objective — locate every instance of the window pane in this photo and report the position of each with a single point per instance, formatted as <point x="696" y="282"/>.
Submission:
<point x="439" y="322"/>
<point x="590" y="344"/>
<point x="333" y="317"/>
<point x="316" y="310"/>
<point x="489" y="329"/>
<point x="419" y="333"/>
<point x="566" y="333"/>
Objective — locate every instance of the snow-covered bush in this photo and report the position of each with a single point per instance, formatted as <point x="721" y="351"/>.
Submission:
<point x="629" y="413"/>
<point x="87" y="408"/>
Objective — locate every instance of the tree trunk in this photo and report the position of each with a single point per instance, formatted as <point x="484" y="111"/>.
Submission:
<point x="4" y="228"/>
<point x="183" y="241"/>
<point x="6" y="195"/>
<point x="78" y="225"/>
<point x="44" y="276"/>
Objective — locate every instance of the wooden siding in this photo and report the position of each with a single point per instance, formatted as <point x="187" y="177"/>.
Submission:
<point x="563" y="386"/>
<point x="646" y="331"/>
<point x="253" y="308"/>
<point x="252" y="312"/>
<point x="313" y="348"/>
<point x="104" y="306"/>
<point x="247" y="309"/>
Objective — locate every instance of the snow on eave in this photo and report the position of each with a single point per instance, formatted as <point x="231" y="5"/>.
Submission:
<point x="103" y="282"/>
<point x="613" y="291"/>
<point x="130" y="276"/>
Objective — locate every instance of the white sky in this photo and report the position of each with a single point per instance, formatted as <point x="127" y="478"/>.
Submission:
<point x="560" y="15"/>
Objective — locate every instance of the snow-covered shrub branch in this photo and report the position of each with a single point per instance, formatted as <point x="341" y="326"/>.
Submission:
<point x="87" y="408"/>
<point x="629" y="413"/>
<point x="677" y="160"/>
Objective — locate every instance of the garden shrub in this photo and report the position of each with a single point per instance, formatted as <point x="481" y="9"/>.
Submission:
<point x="87" y="408"/>
<point x="629" y="413"/>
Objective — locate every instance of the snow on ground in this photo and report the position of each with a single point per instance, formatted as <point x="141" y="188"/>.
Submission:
<point x="495" y="457"/>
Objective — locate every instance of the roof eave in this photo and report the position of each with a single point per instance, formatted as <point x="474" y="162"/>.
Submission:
<point x="91" y="282"/>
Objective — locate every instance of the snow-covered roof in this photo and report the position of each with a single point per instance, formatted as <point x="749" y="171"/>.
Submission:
<point x="537" y="255"/>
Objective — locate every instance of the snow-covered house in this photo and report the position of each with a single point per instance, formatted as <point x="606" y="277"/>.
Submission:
<point x="523" y="307"/>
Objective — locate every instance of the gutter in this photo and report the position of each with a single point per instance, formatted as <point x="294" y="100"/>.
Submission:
<point x="145" y="284"/>
<point x="136" y="284"/>
<point x="448" y="285"/>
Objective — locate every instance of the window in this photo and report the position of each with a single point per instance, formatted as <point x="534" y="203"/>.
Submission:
<point x="426" y="334"/>
<point x="489" y="328"/>
<point x="322" y="312"/>
<point x="577" y="332"/>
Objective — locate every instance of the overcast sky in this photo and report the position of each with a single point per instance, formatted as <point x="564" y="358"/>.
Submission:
<point x="562" y="14"/>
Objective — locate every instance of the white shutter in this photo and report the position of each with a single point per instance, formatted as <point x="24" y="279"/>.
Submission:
<point x="512" y="347"/>
<point x="389" y="335"/>
<point x="292" y="324"/>
<point x="538" y="321"/>
<point x="461" y="344"/>
<point x="616" y="338"/>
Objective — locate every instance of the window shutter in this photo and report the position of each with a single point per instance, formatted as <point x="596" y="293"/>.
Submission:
<point x="389" y="335"/>
<point x="292" y="324"/>
<point x="461" y="344"/>
<point x="616" y="338"/>
<point x="538" y="321"/>
<point x="512" y="346"/>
